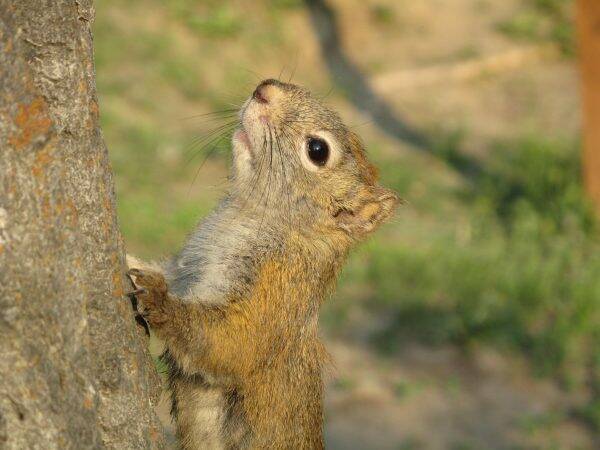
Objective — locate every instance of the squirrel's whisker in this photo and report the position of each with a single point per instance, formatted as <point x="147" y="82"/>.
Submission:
<point x="224" y="112"/>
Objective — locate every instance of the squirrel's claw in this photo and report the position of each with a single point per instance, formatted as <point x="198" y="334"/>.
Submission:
<point x="137" y="292"/>
<point x="134" y="272"/>
<point x="150" y="295"/>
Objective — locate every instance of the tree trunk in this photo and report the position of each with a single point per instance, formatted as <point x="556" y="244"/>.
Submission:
<point x="588" y="18"/>
<point x="74" y="369"/>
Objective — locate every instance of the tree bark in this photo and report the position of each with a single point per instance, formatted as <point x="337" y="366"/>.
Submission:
<point x="588" y="21"/>
<point x="74" y="368"/>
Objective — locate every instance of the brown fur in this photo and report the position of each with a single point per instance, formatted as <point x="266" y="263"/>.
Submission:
<point x="267" y="345"/>
<point x="245" y="371"/>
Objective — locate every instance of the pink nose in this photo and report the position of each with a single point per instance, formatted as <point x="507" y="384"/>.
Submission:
<point x="262" y="92"/>
<point x="260" y="95"/>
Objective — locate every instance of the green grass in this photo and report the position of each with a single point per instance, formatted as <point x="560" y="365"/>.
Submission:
<point x="382" y="14"/>
<point x="543" y="20"/>
<point x="510" y="258"/>
<point x="220" y="22"/>
<point x="519" y="269"/>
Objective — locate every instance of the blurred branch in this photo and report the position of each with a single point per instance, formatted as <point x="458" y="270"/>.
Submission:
<point x="465" y="70"/>
<point x="361" y="94"/>
<point x="588" y="21"/>
<point x="352" y="82"/>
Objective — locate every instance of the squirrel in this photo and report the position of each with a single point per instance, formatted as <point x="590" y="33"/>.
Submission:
<point x="238" y="307"/>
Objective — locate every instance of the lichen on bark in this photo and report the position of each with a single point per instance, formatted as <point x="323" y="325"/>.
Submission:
<point x="75" y="371"/>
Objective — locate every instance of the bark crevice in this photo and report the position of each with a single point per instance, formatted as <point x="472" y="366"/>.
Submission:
<point x="75" y="369"/>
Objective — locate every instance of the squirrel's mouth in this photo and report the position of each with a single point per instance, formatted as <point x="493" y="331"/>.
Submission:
<point x="240" y="136"/>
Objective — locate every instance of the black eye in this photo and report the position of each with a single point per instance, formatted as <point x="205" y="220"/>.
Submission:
<point x="318" y="151"/>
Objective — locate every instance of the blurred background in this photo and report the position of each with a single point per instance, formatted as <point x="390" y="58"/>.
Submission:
<point x="471" y="321"/>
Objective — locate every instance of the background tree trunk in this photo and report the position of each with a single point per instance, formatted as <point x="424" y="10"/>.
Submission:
<point x="74" y="368"/>
<point x="588" y="18"/>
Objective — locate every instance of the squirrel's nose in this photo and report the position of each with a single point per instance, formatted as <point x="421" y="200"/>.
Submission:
<point x="265" y="91"/>
<point x="260" y="95"/>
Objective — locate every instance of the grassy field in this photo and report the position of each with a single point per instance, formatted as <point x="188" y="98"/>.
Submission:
<point x="506" y="259"/>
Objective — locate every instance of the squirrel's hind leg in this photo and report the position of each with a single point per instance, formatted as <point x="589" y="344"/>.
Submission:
<point x="200" y="414"/>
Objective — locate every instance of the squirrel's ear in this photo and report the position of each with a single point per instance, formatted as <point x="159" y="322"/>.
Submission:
<point x="370" y="212"/>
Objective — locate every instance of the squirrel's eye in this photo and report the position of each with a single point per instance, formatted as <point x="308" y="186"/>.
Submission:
<point x="318" y="151"/>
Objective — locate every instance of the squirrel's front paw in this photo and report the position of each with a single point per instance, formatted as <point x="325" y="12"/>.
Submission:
<point x="151" y="293"/>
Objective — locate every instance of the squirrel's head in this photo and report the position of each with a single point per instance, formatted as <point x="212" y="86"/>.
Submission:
<point x="296" y="161"/>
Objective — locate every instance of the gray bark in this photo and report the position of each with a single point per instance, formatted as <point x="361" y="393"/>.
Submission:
<point x="75" y="372"/>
